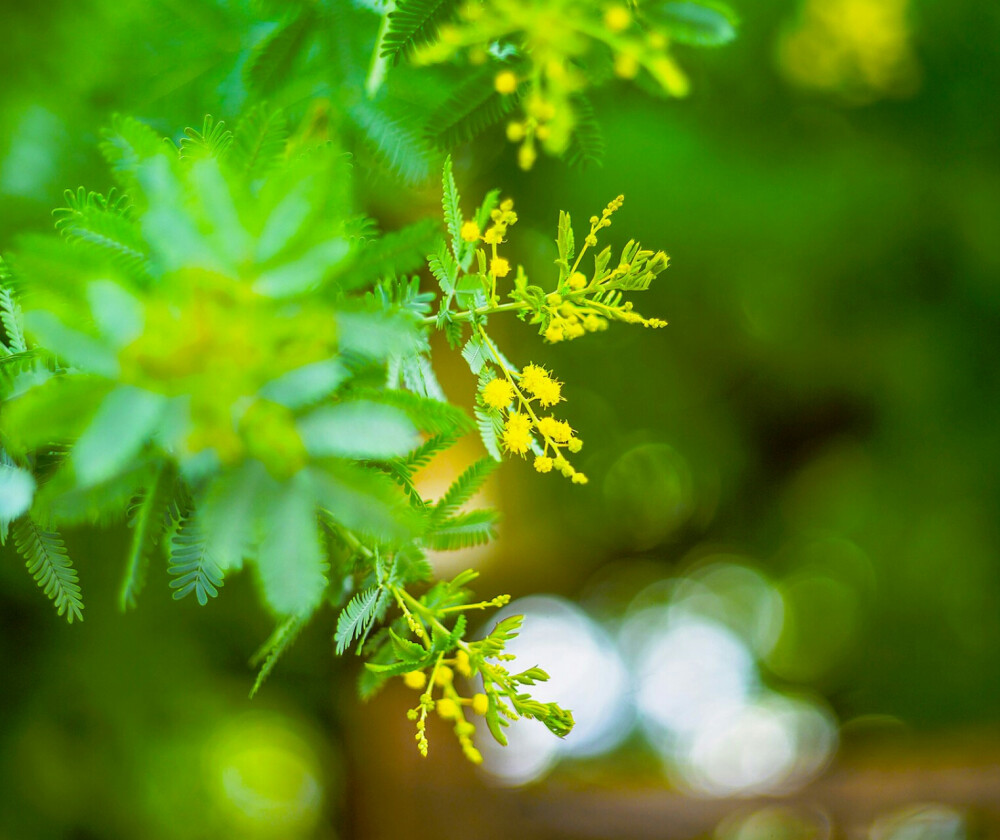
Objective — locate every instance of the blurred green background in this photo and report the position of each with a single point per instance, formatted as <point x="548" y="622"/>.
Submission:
<point x="798" y="477"/>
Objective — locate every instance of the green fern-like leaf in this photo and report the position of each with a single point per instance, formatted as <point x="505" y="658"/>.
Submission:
<point x="394" y="253"/>
<point x="150" y="516"/>
<point x="45" y="555"/>
<point x="430" y="415"/>
<point x="474" y="107"/>
<point x="413" y="23"/>
<point x="358" y="617"/>
<point x="273" y="649"/>
<point x="103" y="223"/>
<point x="445" y="270"/>
<point x="586" y="146"/>
<point x="126" y="143"/>
<point x="193" y="570"/>
<point x="464" y="530"/>
<point x="422" y="455"/>
<point x="213" y="141"/>
<point x="477" y="358"/>
<point x="10" y="315"/>
<point x="451" y="204"/>
<point x="273" y="61"/>
<point x="490" y="425"/>
<point x="464" y="488"/>
<point x="394" y="141"/>
<point x="259" y="142"/>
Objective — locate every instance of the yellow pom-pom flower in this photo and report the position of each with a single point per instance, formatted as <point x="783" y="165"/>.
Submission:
<point x="480" y="704"/>
<point x="543" y="464"/>
<point x="497" y="393"/>
<point x="557" y="430"/>
<point x="446" y="708"/>
<point x="532" y="375"/>
<point x="415" y="680"/>
<point x="499" y="267"/>
<point x="517" y="434"/>
<point x="539" y="384"/>
<point x="469" y="232"/>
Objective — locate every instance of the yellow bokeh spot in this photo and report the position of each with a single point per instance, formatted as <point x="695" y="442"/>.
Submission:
<point x="505" y="82"/>
<point x="617" y="18"/>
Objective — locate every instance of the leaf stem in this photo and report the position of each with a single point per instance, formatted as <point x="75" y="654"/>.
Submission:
<point x="471" y="314"/>
<point x="379" y="65"/>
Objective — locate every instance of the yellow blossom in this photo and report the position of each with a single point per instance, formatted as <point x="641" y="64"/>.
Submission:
<point x="526" y="156"/>
<point x="557" y="430"/>
<point x="543" y="463"/>
<point x="532" y="375"/>
<point x="462" y="664"/>
<point x="480" y="704"/>
<point x="517" y="434"/>
<point x="494" y="236"/>
<point x="446" y="708"/>
<point x="554" y="333"/>
<point x="469" y="231"/>
<point x="497" y="393"/>
<point x="577" y="281"/>
<point x="575" y="444"/>
<point x="415" y="679"/>
<point x="539" y="384"/>
<point x="505" y="82"/>
<point x="444" y="675"/>
<point x="499" y="267"/>
<point x="515" y="132"/>
<point x="579" y="478"/>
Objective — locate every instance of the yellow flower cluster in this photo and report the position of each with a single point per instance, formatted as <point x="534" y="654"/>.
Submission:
<point x="502" y="218"/>
<point x="449" y="706"/>
<point x="522" y="424"/>
<point x="497" y="393"/>
<point x="556" y="39"/>
<point x="580" y="306"/>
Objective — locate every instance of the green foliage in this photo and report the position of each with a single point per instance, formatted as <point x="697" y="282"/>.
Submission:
<point x="463" y="530"/>
<point x="473" y="108"/>
<point x="463" y="488"/>
<point x="103" y="223"/>
<point x="192" y="568"/>
<point x="412" y="23"/>
<point x="358" y="617"/>
<point x="260" y="141"/>
<point x="701" y="24"/>
<point x="274" y="648"/>
<point x="48" y="563"/>
<point x="274" y="60"/>
<point x="149" y="521"/>
<point x="235" y="361"/>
